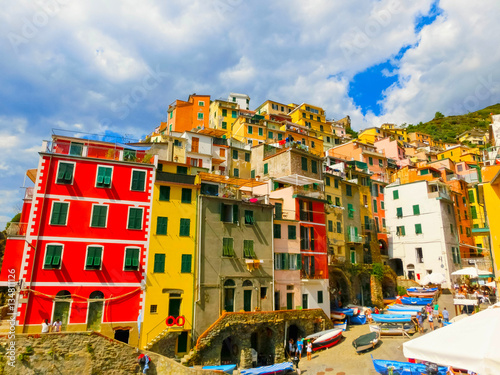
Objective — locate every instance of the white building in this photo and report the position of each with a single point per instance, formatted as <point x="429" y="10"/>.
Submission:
<point x="198" y="149"/>
<point x="423" y="236"/>
<point x="243" y="100"/>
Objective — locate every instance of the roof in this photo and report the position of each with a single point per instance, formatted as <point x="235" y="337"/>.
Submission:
<point x="208" y="177"/>
<point x="211" y="132"/>
<point x="299" y="180"/>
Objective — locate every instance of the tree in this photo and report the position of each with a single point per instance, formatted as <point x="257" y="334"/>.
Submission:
<point x="438" y="115"/>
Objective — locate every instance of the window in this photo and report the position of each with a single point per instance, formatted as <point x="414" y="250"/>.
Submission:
<point x="471" y="196"/>
<point x="304" y="163"/>
<point x="186" y="263"/>
<point x="59" y="213"/>
<point x="314" y="166"/>
<point x="418" y="228"/>
<point x="395" y="194"/>
<point x="65" y="173"/>
<point x="247" y="157"/>
<point x="228" y="247"/>
<point x="416" y="209"/>
<point x="336" y="183"/>
<point x="280" y="136"/>
<point x="330" y="226"/>
<point x="129" y="155"/>
<point x="399" y="212"/>
<point x="177" y="143"/>
<point x="348" y="190"/>
<point x="451" y="228"/>
<point x="400" y="231"/>
<point x="161" y="225"/>
<point x="353" y="256"/>
<point x="277" y="230"/>
<point x="380" y="163"/>
<point x="104" y="177"/>
<point x="252" y="173"/>
<point x="185" y="227"/>
<point x="375" y="208"/>
<point x="266" y="168"/>
<point x="76" y="149"/>
<point x="186" y="195"/>
<point x="229" y="213"/>
<point x="467" y="231"/>
<point x="261" y="132"/>
<point x="224" y="125"/>
<point x="200" y="116"/>
<point x="320" y="296"/>
<point x="138" y="180"/>
<point x="224" y="112"/>
<point x="159" y="265"/>
<point x="248" y="249"/>
<point x="234" y="114"/>
<point x="370" y="160"/>
<point x="94" y="256"/>
<point x="131" y="259"/>
<point x="165" y="193"/>
<point x="153" y="309"/>
<point x="327" y="181"/>
<point x="270" y="135"/>
<point x="329" y="199"/>
<point x="312" y="144"/>
<point x="473" y="212"/>
<point x="278" y="210"/>
<point x="134" y="218"/>
<point x="383" y="222"/>
<point x="339" y="227"/>
<point x="292" y="232"/>
<point x="53" y="256"/>
<point x="236" y="172"/>
<point x="235" y="154"/>
<point x="99" y="216"/>
<point x="455" y="252"/>
<point x="350" y="211"/>
<point x="249" y="219"/>
<point x="382" y="206"/>
<point x="337" y="201"/>
<point x="201" y="104"/>
<point x="420" y="257"/>
<point x="250" y="130"/>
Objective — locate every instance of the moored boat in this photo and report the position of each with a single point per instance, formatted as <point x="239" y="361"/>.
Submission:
<point x="348" y="312"/>
<point x="318" y="334"/>
<point x="227" y="369"/>
<point x="392" y="329"/>
<point x="366" y="342"/>
<point x="405" y="308"/>
<point x="277" y="369"/>
<point x="358" y="319"/>
<point x="421" y="294"/>
<point x="416" y="301"/>
<point x="391" y="318"/>
<point x="327" y="340"/>
<point x="403" y="368"/>
<point x="421" y="289"/>
<point x="336" y="315"/>
<point x="402" y="312"/>
<point x="340" y="325"/>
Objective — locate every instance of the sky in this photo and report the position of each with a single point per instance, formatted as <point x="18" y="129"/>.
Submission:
<point x="114" y="67"/>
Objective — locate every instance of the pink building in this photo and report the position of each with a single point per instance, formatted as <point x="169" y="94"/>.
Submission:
<point x="392" y="149"/>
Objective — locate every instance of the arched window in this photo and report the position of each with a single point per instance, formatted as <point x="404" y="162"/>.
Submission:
<point x="229" y="282"/>
<point x="63" y="294"/>
<point x="247" y="283"/>
<point x="96" y="295"/>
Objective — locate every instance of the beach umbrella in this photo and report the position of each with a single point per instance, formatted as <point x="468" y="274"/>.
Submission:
<point x="471" y="272"/>
<point x="471" y="343"/>
<point x="433" y="278"/>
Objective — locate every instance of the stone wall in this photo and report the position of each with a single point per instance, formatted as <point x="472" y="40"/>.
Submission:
<point x="267" y="330"/>
<point x="82" y="353"/>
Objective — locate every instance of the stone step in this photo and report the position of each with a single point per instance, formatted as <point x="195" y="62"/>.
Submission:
<point x="4" y="326"/>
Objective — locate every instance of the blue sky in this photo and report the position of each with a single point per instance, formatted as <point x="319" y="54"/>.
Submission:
<point x="113" y="68"/>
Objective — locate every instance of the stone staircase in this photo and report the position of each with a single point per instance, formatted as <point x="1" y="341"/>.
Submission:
<point x="188" y="358"/>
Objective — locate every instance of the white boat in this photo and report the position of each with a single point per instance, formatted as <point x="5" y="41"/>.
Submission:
<point x="401" y="312"/>
<point x="319" y="334"/>
<point x="340" y="325"/>
<point x="392" y="329"/>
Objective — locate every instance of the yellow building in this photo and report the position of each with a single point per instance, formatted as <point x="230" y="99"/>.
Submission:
<point x="334" y="213"/>
<point x="371" y="135"/>
<point x="314" y="119"/>
<point x="400" y="134"/>
<point x="270" y="107"/>
<point x="474" y="136"/>
<point x="223" y="114"/>
<point x="478" y="217"/>
<point x="461" y="153"/>
<point x="168" y="307"/>
<point x="491" y="194"/>
<point x="256" y="130"/>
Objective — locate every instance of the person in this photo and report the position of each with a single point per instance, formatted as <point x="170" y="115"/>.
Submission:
<point x="309" y="350"/>
<point x="428" y="308"/>
<point x="431" y="321"/>
<point x="440" y="320"/>
<point x="290" y="348"/>
<point x="446" y="315"/>
<point x="376" y="310"/>
<point x="45" y="326"/>
<point x="369" y="315"/>
<point x="296" y="360"/>
<point x="56" y="326"/>
<point x="436" y="310"/>
<point x="300" y="346"/>
<point x="144" y="360"/>
<point x="420" y="320"/>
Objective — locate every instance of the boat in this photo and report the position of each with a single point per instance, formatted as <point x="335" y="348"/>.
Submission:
<point x="340" y="325"/>
<point x="337" y="315"/>
<point x="348" y="312"/>
<point x="366" y="342"/>
<point x="227" y="369"/>
<point x="403" y="368"/>
<point x="402" y="312"/>
<point x="421" y="294"/>
<point x="318" y="334"/>
<point x="405" y="308"/>
<point x="327" y="340"/>
<point x="358" y="319"/>
<point x="391" y="318"/>
<point x="392" y="329"/>
<point x="388" y="301"/>
<point x="277" y="369"/>
<point x="416" y="301"/>
<point x="358" y="309"/>
<point x="421" y="289"/>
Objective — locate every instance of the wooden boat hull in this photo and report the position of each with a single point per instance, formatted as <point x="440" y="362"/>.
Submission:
<point x="366" y="342"/>
<point x="327" y="341"/>
<point x="391" y="318"/>
<point x="337" y="316"/>
<point x="403" y="368"/>
<point x="405" y="308"/>
<point x="401" y="312"/>
<point x="340" y="325"/>
<point x="416" y="301"/>
<point x="392" y="329"/>
<point x="277" y="369"/>
<point x="348" y="312"/>
<point x="319" y="334"/>
<point x="422" y="290"/>
<point x="421" y="294"/>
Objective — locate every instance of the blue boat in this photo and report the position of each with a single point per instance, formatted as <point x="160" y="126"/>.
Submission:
<point x="403" y="368"/>
<point x="421" y="289"/>
<point x="348" y="312"/>
<point x="391" y="318"/>
<point x="228" y="369"/>
<point x="416" y="301"/>
<point x="280" y="368"/>
<point x="358" y="319"/>
<point x="398" y="307"/>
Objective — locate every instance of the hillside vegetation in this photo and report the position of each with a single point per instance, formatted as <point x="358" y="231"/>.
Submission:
<point x="448" y="128"/>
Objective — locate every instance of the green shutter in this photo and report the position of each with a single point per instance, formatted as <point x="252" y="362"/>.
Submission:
<point x="418" y="228"/>
<point x="135" y="259"/>
<point x="252" y="173"/>
<point x="103" y="177"/>
<point x="348" y="190"/>
<point x="185" y="227"/>
<point x="235" y="154"/>
<point x="94" y="255"/>
<point x="471" y="196"/>
<point x="353" y="256"/>
<point x="473" y="212"/>
<point x="186" y="263"/>
<point x="336" y="183"/>
<point x="327" y="181"/>
<point x="249" y="219"/>
<point x="135" y="218"/>
<point x="159" y="265"/>
<point x="277" y="230"/>
<point x="186" y="195"/>
<point x="131" y="259"/>
<point x="161" y="225"/>
<point x="403" y="231"/>
<point x="59" y="213"/>
<point x="236" y="214"/>
<point x="375" y="207"/>
<point x="283" y="261"/>
<point x="339" y="227"/>
<point x="48" y="256"/>
<point x="311" y="230"/>
<point x="395" y="194"/>
<point x="314" y="166"/>
<point x="248" y="251"/>
<point x="247" y="157"/>
<point x="330" y="226"/>
<point x="228" y="247"/>
<point x="65" y="173"/>
<point x="399" y="212"/>
<point x="53" y="256"/>
<point x="99" y="216"/>
<point x="416" y="209"/>
<point x="350" y="211"/>
<point x="76" y="149"/>
<point x="292" y="232"/>
<point x="165" y="193"/>
<point x="304" y="163"/>
<point x="266" y="168"/>
<point x="236" y="172"/>
<point x="138" y="180"/>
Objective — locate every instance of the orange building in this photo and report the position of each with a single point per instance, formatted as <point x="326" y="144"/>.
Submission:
<point x="185" y="116"/>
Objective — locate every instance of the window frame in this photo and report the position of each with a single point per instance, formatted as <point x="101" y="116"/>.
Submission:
<point x="159" y="193"/>
<point x="190" y="257"/>
<point x="92" y="215"/>
<point x="72" y="175"/>
<point x="132" y="179"/>
<point x="157" y="226"/>
<point x="128" y="217"/>
<point x="190" y="195"/>
<point x="181" y="226"/>
<point x="45" y="255"/>
<point x="138" y="259"/>
<point x="155" y="262"/>
<point x="52" y="213"/>
<point x="294" y="232"/>
<point x="110" y="178"/>
<point x="87" y="254"/>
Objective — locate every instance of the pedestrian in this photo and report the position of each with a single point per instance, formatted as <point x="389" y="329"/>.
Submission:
<point x="446" y="315"/>
<point x="369" y="315"/>
<point x="420" y="320"/>
<point x="431" y="321"/>
<point x="436" y="309"/>
<point x="428" y="309"/>
<point x="300" y="346"/>
<point x="56" y="326"/>
<point x="45" y="326"/>
<point x="144" y="360"/>
<point x="440" y="320"/>
<point x="296" y="360"/>
<point x="309" y="350"/>
<point x="290" y="348"/>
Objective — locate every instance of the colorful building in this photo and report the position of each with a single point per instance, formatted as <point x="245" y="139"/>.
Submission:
<point x="184" y="116"/>
<point x="223" y="113"/>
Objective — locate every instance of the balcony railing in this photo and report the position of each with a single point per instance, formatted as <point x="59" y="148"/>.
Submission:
<point x="313" y="192"/>
<point x="176" y="178"/>
<point x="16" y="229"/>
<point x="354" y="238"/>
<point x="220" y="141"/>
<point x="28" y="194"/>
<point x="311" y="275"/>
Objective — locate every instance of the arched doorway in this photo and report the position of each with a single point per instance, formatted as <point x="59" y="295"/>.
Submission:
<point x="62" y="304"/>
<point x="384" y="249"/>
<point x="388" y="287"/>
<point x="230" y="351"/>
<point x="411" y="271"/>
<point x="339" y="289"/>
<point x="294" y="332"/>
<point x="263" y="341"/>
<point x="229" y="287"/>
<point x="247" y="295"/>
<point x="95" y="309"/>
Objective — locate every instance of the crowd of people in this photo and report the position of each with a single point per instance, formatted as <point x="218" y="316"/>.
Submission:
<point x="51" y="327"/>
<point x="481" y="293"/>
<point x="295" y="351"/>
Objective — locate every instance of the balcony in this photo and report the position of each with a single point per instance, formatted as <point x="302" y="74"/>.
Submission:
<point x="17" y="229"/>
<point x="484" y="231"/>
<point x="312" y="275"/>
<point x="305" y="191"/>
<point x="483" y="264"/>
<point x="353" y="238"/>
<point x="28" y="194"/>
<point x="220" y="141"/>
<point x="175" y="178"/>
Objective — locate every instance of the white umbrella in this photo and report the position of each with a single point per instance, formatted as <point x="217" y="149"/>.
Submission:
<point x="433" y="278"/>
<point x="471" y="343"/>
<point x="470" y="271"/>
<point x="491" y="284"/>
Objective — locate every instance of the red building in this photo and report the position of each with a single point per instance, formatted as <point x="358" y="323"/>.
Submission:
<point x="79" y="252"/>
<point x="378" y="209"/>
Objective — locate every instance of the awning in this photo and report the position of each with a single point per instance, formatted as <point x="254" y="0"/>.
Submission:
<point x="298" y="180"/>
<point x="31" y="173"/>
